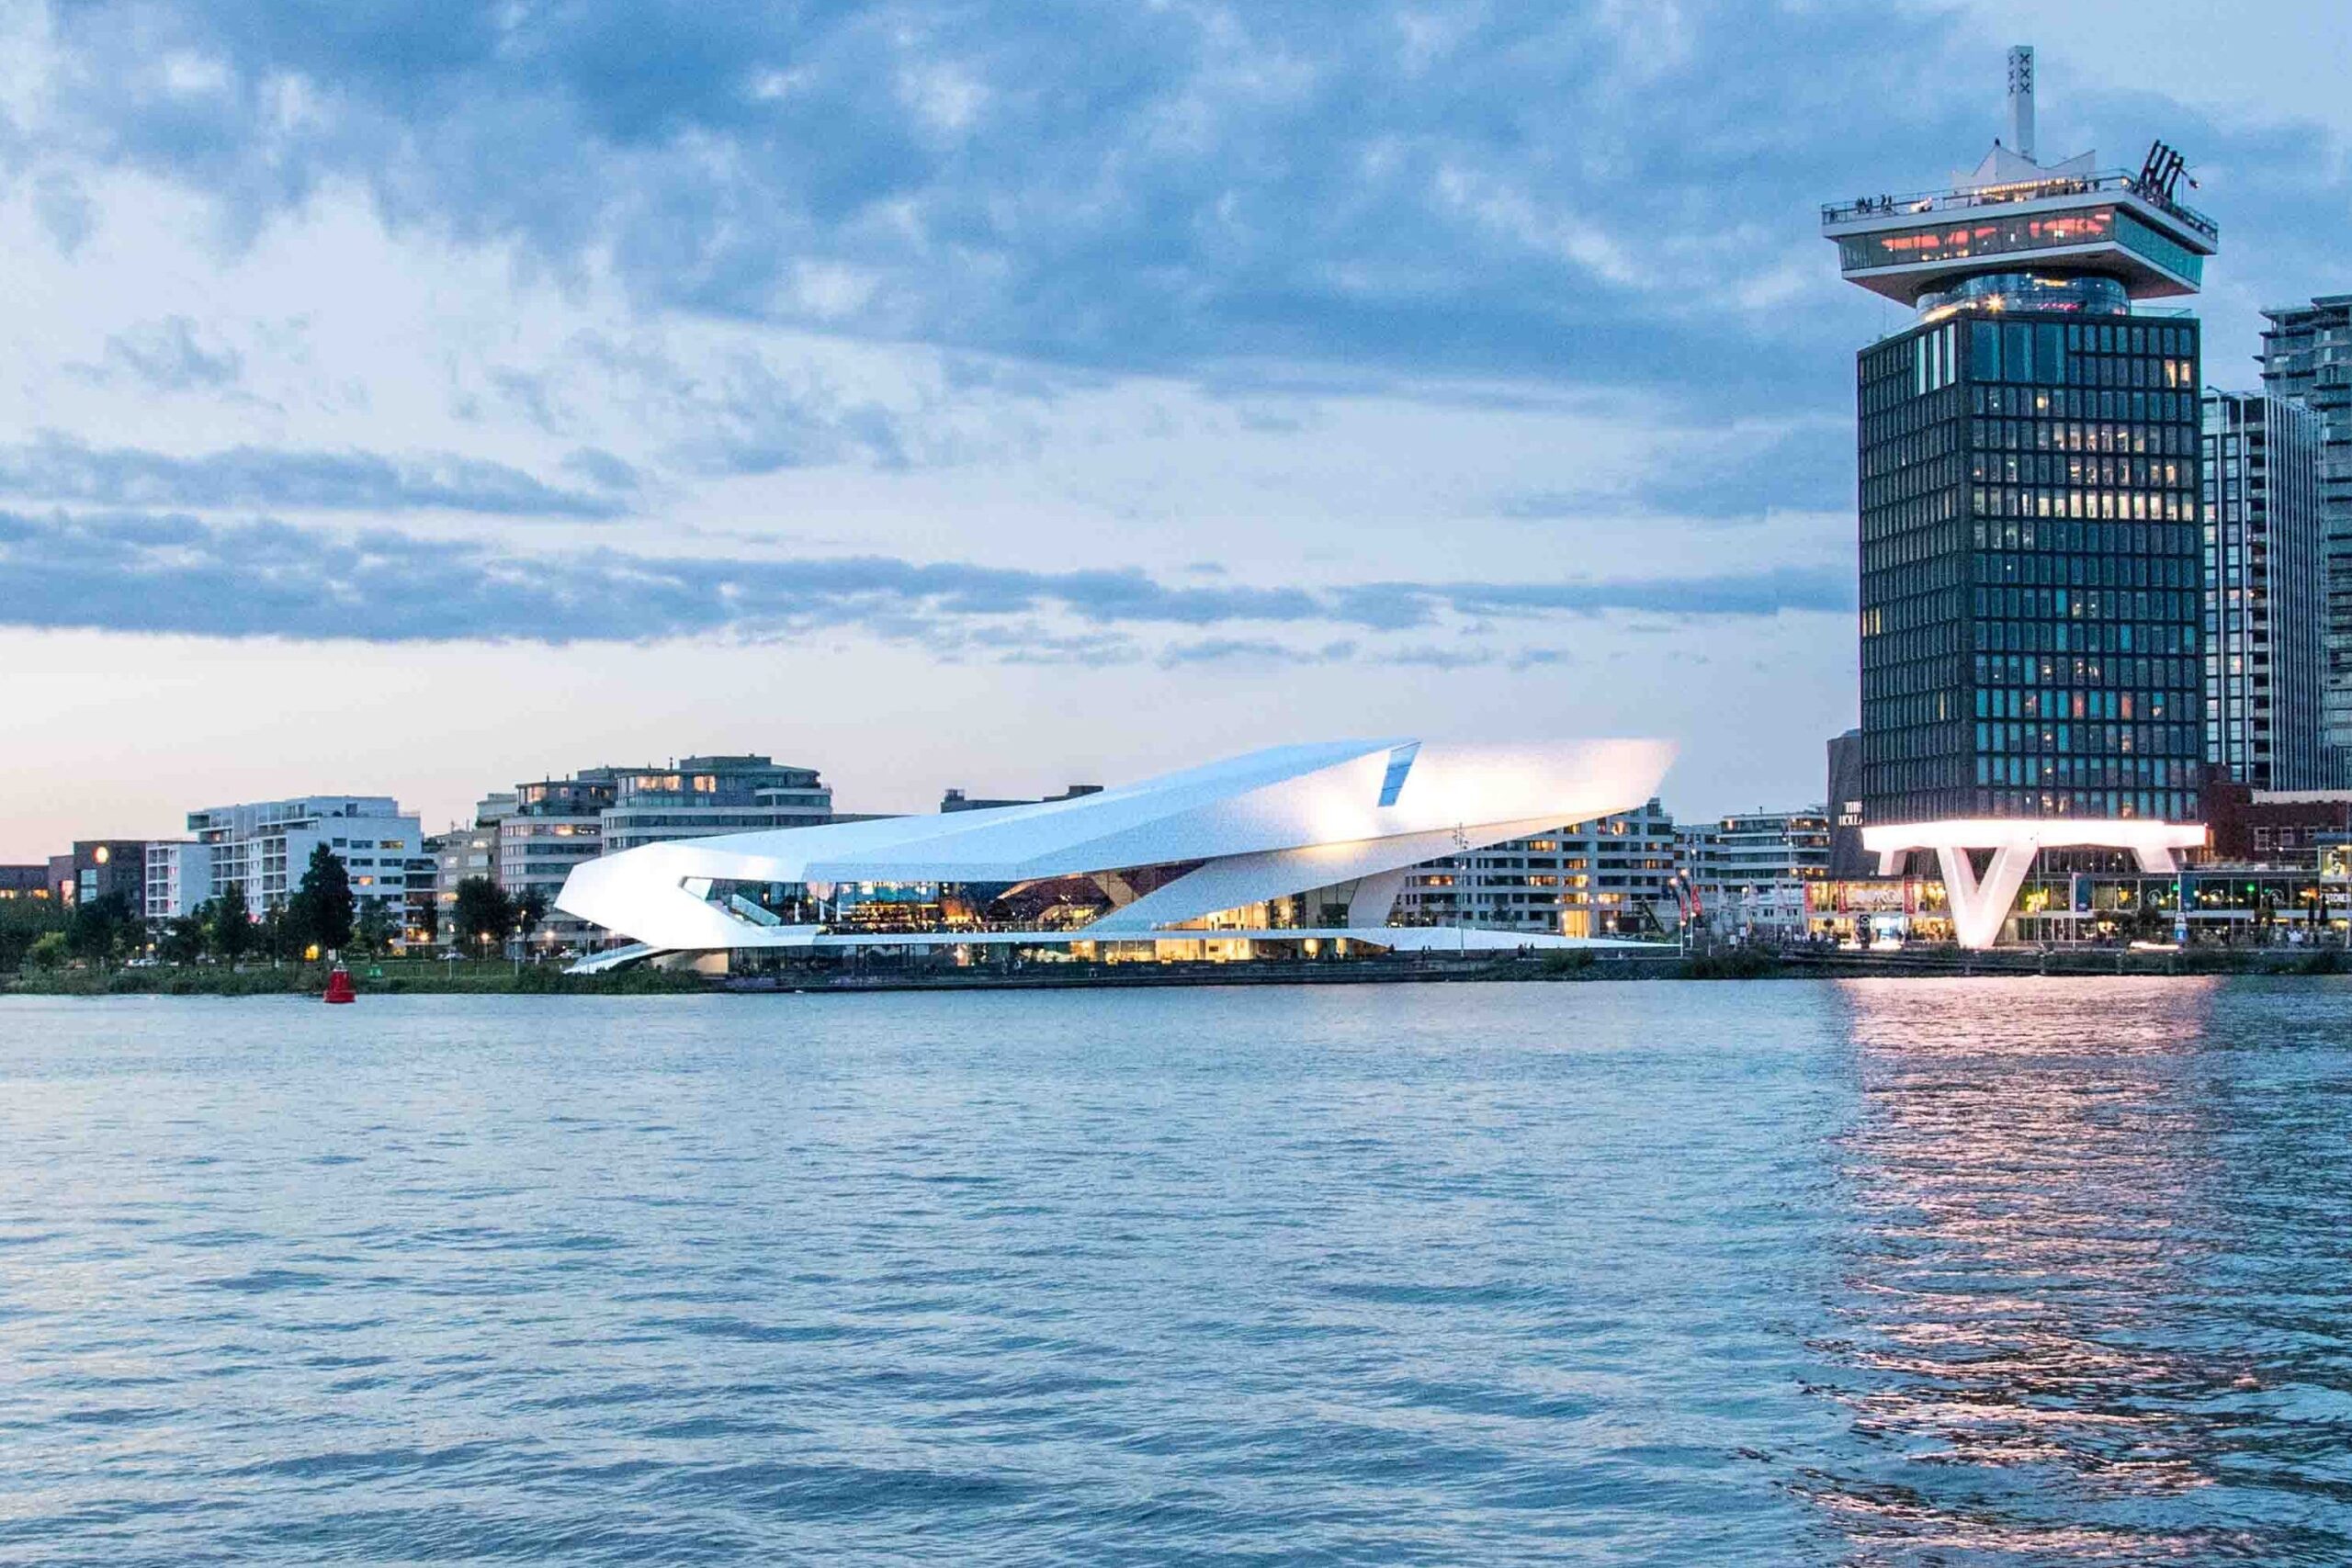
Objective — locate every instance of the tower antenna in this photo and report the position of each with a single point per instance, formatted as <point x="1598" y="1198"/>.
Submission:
<point x="2021" y="100"/>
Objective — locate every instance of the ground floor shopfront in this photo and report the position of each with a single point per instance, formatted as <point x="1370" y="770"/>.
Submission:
<point x="2219" y="905"/>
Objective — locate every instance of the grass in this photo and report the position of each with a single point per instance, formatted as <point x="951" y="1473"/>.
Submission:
<point x="385" y="977"/>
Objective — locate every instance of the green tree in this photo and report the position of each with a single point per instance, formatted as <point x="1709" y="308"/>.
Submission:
<point x="530" y="910"/>
<point x="320" y="912"/>
<point x="180" y="939"/>
<point x="101" y="928"/>
<point x="428" y="920"/>
<point x="230" y="923"/>
<point x="24" y="921"/>
<point x="372" y="932"/>
<point x="48" y="951"/>
<point x="275" y="935"/>
<point x="483" y="915"/>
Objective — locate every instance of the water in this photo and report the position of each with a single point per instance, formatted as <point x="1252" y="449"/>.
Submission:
<point x="1901" y="1273"/>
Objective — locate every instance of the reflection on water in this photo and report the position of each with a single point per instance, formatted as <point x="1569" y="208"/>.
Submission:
<point x="1980" y="1272"/>
<point x="2046" y="1339"/>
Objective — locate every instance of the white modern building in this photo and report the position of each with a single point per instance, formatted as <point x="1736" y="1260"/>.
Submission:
<point x="265" y="846"/>
<point x="1292" y="847"/>
<point x="179" y="878"/>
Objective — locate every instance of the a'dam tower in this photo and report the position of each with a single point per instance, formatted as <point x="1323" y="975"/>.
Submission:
<point x="2032" y="569"/>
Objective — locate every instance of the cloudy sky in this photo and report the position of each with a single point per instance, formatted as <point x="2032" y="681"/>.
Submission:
<point x="414" y="397"/>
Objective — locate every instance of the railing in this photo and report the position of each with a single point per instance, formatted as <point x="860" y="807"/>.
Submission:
<point x="1929" y="202"/>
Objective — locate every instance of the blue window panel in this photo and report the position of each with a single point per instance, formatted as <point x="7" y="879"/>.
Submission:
<point x="1401" y="762"/>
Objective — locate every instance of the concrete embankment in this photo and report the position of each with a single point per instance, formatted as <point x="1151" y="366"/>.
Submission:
<point x="421" y="978"/>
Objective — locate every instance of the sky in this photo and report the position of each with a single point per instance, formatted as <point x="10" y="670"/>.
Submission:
<point x="417" y="397"/>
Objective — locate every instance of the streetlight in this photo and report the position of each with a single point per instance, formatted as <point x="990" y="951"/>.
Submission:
<point x="1461" y="849"/>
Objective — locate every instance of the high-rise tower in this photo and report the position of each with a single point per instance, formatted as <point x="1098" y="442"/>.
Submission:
<point x="2031" y="565"/>
<point x="2306" y="354"/>
<point x="2266" y="592"/>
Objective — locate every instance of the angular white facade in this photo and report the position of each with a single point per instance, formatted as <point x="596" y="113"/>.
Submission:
<point x="1328" y="828"/>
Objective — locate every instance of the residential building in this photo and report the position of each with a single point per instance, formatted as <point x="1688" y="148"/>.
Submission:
<point x="24" y="881"/>
<point x="1749" y="870"/>
<point x="2307" y="355"/>
<point x="2032" y="566"/>
<point x="1610" y="876"/>
<point x="96" y="868"/>
<point x="179" y="878"/>
<point x="700" y="796"/>
<point x="264" y="847"/>
<point x="462" y="855"/>
<point x="554" y="825"/>
<point x="2266" y="593"/>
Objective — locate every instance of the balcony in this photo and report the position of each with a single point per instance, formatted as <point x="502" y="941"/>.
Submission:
<point x="1864" y="209"/>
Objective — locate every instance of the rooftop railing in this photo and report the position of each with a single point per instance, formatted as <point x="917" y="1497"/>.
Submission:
<point x="1927" y="203"/>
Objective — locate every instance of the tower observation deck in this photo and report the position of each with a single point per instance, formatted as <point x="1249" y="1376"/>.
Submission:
<point x="2030" y="229"/>
<point x="2031" y="556"/>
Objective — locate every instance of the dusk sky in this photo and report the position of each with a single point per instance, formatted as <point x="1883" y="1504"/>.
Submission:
<point x="415" y="399"/>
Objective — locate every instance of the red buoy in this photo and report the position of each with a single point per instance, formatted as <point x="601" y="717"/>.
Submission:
<point x="339" y="986"/>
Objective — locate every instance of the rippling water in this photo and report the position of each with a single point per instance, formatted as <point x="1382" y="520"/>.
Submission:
<point x="1908" y="1271"/>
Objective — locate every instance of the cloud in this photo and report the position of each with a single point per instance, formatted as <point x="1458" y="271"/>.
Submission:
<point x="1736" y="474"/>
<point x="1771" y="591"/>
<point x="60" y="467"/>
<point x="1566" y="193"/>
<point x="64" y="210"/>
<point x="175" y="573"/>
<point x="1614" y="198"/>
<point x="168" y="357"/>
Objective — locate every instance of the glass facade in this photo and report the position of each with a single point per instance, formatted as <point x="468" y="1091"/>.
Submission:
<point x="1982" y="233"/>
<point x="2083" y="292"/>
<point x="1976" y="235"/>
<point x="2307" y="355"/>
<point x="2266" y="593"/>
<point x="2031" y="575"/>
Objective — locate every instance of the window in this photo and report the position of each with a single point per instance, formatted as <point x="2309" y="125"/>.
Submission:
<point x="1400" y="764"/>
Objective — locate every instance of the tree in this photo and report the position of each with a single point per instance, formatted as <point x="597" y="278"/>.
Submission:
<point x="277" y="934"/>
<point x="180" y="939"/>
<point x="47" y="952"/>
<point x="483" y="914"/>
<point x="529" y="910"/>
<point x="230" y="923"/>
<point x="371" y="933"/>
<point x="24" y="921"/>
<point x="100" y="928"/>
<point x="320" y="911"/>
<point x="428" y="919"/>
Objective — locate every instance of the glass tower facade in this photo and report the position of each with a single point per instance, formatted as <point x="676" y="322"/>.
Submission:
<point x="2031" y="583"/>
<point x="2307" y="355"/>
<point x="2266" y="593"/>
<point x="2030" y="508"/>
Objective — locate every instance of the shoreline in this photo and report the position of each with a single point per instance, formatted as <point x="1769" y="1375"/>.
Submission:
<point x="395" y="977"/>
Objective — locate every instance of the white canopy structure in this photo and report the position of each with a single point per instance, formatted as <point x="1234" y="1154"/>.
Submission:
<point x="1980" y="906"/>
<point x="1290" y="843"/>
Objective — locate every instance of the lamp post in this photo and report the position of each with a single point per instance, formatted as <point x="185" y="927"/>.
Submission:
<point x="1461" y="850"/>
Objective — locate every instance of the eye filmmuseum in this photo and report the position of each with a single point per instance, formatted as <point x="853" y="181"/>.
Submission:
<point x="2031" y="552"/>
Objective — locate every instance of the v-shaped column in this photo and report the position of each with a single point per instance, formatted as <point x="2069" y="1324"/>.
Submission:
<point x="1978" y="908"/>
